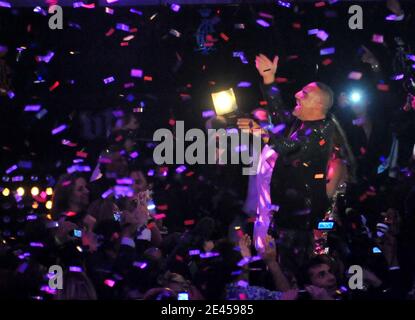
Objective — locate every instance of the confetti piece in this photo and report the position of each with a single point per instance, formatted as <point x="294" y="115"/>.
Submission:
<point x="36" y="244"/>
<point x="319" y="176"/>
<point x="208" y="255"/>
<point x="383" y="87"/>
<point x="127" y="181"/>
<point x="312" y="32"/>
<point x="88" y="6"/>
<point x="180" y="169"/>
<point x="320" y="4"/>
<point x="224" y="36"/>
<point x="46" y="58"/>
<point x="59" y="129"/>
<point x="81" y="154"/>
<point x="189" y="222"/>
<point x="140" y="265"/>
<point x="110" y="32"/>
<point x="135" y="11"/>
<point x="10" y="94"/>
<point x="31" y="108"/>
<point x="323" y="35"/>
<point x="75" y="269"/>
<point x="150" y="173"/>
<point x="163" y="207"/>
<point x="327" y="51"/>
<point x="109" y="10"/>
<point x="179" y="258"/>
<point x="5" y="4"/>
<point x="175" y="33"/>
<point x="11" y="169"/>
<point x="244" y="84"/>
<point x="109" y="80"/>
<point x="263" y="23"/>
<point x="355" y="75"/>
<point x="281" y="80"/>
<point x="296" y="25"/>
<point x="122" y="27"/>
<point x="194" y="252"/>
<point x="148" y="78"/>
<point x="175" y="7"/>
<point x="284" y="4"/>
<point x="136" y="73"/>
<point x="54" y="86"/>
<point x="322" y="142"/>
<point x="68" y="143"/>
<point x="239" y="26"/>
<point x="266" y="15"/>
<point x="159" y="216"/>
<point x="398" y="77"/>
<point x="326" y="62"/>
<point x="110" y="283"/>
<point x="134" y="155"/>
<point x="78" y="168"/>
<point x="40" y="10"/>
<point x="377" y="38"/>
<point x="107" y="193"/>
<point x="208" y="114"/>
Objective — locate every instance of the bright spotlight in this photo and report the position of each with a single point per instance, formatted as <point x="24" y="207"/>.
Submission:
<point x="224" y="102"/>
<point x="20" y="191"/>
<point x="355" y="97"/>
<point x="34" y="191"/>
<point x="6" y="192"/>
<point x="48" y="205"/>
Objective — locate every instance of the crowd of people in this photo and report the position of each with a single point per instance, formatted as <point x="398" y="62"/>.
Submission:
<point x="116" y="245"/>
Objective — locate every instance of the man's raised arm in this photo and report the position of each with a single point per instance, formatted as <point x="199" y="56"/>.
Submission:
<point x="267" y="69"/>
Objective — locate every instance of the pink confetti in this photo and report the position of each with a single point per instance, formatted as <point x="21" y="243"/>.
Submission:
<point x="110" y="283"/>
<point x="355" y="75"/>
<point x="266" y="15"/>
<point x="110" y="32"/>
<point x="175" y="7"/>
<point x="159" y="216"/>
<point x="54" y="86"/>
<point x="377" y="38"/>
<point x="224" y="36"/>
<point x="136" y="73"/>
<point x="189" y="222"/>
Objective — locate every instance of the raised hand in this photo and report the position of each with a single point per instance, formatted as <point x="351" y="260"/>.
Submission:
<point x="266" y="68"/>
<point x="245" y="246"/>
<point x="269" y="254"/>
